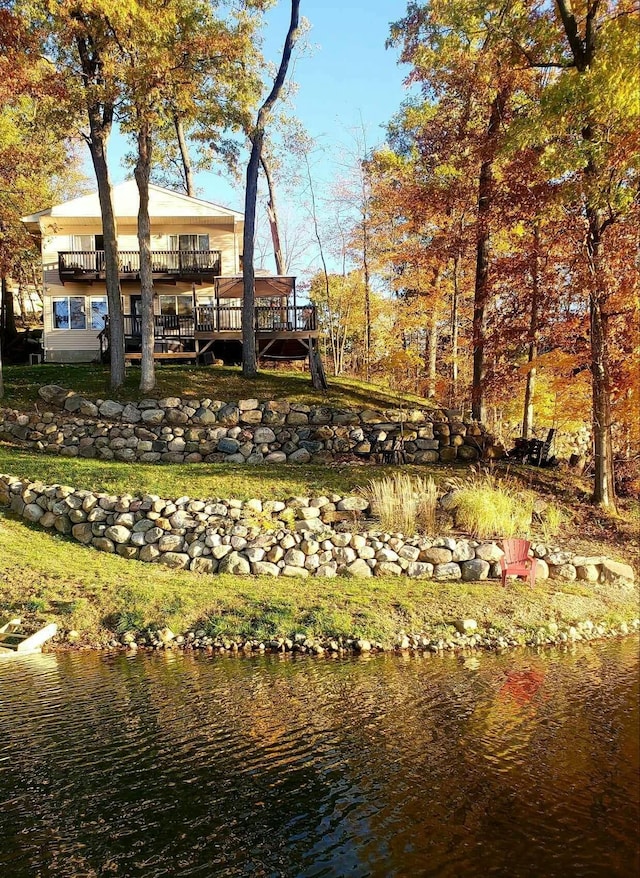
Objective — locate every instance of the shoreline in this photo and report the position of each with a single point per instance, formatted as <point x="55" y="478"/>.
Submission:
<point x="465" y="636"/>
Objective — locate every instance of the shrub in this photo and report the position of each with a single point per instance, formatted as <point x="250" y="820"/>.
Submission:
<point x="486" y="507"/>
<point x="404" y="503"/>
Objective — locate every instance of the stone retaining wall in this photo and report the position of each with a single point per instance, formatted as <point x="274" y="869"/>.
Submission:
<point x="304" y="536"/>
<point x="177" y="430"/>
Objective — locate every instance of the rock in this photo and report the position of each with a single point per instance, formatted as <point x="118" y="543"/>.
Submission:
<point x="153" y="416"/>
<point x="557" y="559"/>
<point x="353" y="503"/>
<point x="83" y="532"/>
<point x="229" y="415"/>
<point x="299" y="456"/>
<point x="264" y="435"/>
<point x="118" y="533"/>
<point x="475" y="570"/>
<point x="235" y="563"/>
<point x="131" y="414"/>
<point x="276" y="457"/>
<point x="388" y="568"/>
<point x="489" y="552"/>
<point x="447" y="572"/>
<point x="265" y="568"/>
<point x="358" y="568"/>
<point x="463" y="552"/>
<point x="32" y="512"/>
<point x="436" y="555"/>
<point x="466" y="626"/>
<point x="566" y="572"/>
<point x="110" y="409"/>
<point x="294" y="558"/>
<point x="588" y="572"/>
<point x="201" y="565"/>
<point x="54" y="393"/>
<point x="228" y="446"/>
<point x="419" y="569"/>
<point x="362" y="646"/>
<point x="174" y="560"/>
<point x="614" y="571"/>
<point x="542" y="569"/>
<point x="290" y="571"/>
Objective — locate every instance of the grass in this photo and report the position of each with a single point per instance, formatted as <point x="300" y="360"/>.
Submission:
<point x="225" y="383"/>
<point x="200" y="480"/>
<point x="487" y="506"/>
<point x="404" y="503"/>
<point x="46" y="577"/>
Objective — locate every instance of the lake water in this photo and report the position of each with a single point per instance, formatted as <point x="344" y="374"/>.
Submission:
<point x="522" y="764"/>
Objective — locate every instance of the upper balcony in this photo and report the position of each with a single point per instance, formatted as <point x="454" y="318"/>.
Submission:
<point x="168" y="266"/>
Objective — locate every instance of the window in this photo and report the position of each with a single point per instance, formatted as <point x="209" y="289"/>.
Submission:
<point x="98" y="312"/>
<point x="69" y="313"/>
<point x="176" y="305"/>
<point x="188" y="242"/>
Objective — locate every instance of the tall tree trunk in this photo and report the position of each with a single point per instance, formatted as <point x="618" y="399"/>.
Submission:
<point x="530" y="386"/>
<point x="432" y="355"/>
<point x="8" y="328"/>
<point x="142" y="175"/>
<point x="583" y="50"/>
<point x="249" y="357"/>
<point x="455" y="331"/>
<point x="100" y="115"/>
<point x="604" y="483"/>
<point x="333" y="326"/>
<point x="481" y="293"/>
<point x="4" y="284"/>
<point x="185" y="158"/>
<point x="367" y="299"/>
<point x="272" y="213"/>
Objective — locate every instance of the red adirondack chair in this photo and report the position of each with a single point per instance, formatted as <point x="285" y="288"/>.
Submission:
<point x="516" y="561"/>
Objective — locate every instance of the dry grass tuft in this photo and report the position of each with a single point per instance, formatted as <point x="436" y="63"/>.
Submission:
<point x="486" y="506"/>
<point x="403" y="503"/>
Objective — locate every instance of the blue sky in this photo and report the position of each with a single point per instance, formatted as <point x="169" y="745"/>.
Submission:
<point x="349" y="76"/>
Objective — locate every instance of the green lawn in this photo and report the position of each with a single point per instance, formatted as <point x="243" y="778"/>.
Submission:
<point x="202" y="480"/>
<point x="46" y="577"/>
<point x="213" y="382"/>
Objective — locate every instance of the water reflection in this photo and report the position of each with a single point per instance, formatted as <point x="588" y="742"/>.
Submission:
<point x="522" y="764"/>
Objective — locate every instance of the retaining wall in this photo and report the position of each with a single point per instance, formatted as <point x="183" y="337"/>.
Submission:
<point x="304" y="536"/>
<point x="175" y="430"/>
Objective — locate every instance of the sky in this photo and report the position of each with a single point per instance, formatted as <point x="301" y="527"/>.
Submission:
<point x="347" y="80"/>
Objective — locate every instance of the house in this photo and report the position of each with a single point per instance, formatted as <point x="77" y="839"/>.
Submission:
<point x="197" y="262"/>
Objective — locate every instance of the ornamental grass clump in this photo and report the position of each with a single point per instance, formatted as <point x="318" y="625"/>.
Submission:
<point x="403" y="503"/>
<point x="486" y="507"/>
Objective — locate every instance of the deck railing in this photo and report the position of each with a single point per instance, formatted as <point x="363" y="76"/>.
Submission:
<point x="224" y="318"/>
<point x="78" y="264"/>
<point x="268" y="318"/>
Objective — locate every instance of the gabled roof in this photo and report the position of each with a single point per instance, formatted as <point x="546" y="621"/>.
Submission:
<point x="162" y="203"/>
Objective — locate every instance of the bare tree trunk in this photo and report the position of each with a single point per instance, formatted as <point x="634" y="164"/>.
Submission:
<point x="185" y="158"/>
<point x="8" y="328"/>
<point x="100" y="117"/>
<point x="333" y="328"/>
<point x="481" y="295"/>
<point x="272" y="213"/>
<point x="142" y="175"/>
<point x="4" y="284"/>
<point x="454" y="331"/>
<point x="432" y="355"/>
<point x="367" y="297"/>
<point x="604" y="481"/>
<point x="530" y="386"/>
<point x="583" y="50"/>
<point x="249" y="358"/>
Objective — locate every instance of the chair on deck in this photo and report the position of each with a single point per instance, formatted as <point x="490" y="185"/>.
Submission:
<point x="516" y="561"/>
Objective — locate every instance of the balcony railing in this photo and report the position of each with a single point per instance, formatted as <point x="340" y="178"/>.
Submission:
<point x="90" y="264"/>
<point x="216" y="318"/>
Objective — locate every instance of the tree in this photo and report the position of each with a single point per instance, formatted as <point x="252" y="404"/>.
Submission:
<point x="249" y="356"/>
<point x="82" y="44"/>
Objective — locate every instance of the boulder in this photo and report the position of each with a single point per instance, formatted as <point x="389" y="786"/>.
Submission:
<point x="447" y="572"/>
<point x="614" y="571"/>
<point x="358" y="568"/>
<point x="475" y="570"/>
<point x="234" y="563"/>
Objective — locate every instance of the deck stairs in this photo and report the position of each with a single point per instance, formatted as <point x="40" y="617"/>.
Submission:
<point x="14" y="639"/>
